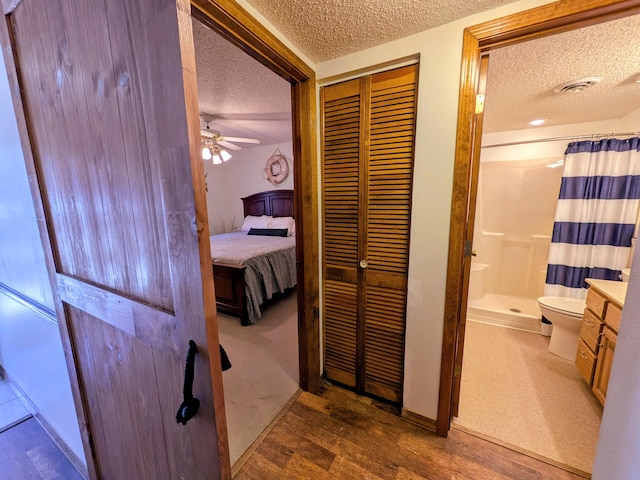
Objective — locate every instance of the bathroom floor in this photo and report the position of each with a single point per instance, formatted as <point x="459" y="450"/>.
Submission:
<point x="518" y="393"/>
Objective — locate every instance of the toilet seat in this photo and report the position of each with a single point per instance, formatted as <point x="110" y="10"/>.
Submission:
<point x="573" y="307"/>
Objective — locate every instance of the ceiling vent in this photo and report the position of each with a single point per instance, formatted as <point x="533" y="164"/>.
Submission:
<point x="576" y="86"/>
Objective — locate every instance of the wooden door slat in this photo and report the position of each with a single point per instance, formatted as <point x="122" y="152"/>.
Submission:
<point x="367" y="198"/>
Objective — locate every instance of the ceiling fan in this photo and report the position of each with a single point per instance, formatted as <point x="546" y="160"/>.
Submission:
<point x="214" y="144"/>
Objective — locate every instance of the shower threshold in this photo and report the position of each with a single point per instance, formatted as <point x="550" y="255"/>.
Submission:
<point x="508" y="311"/>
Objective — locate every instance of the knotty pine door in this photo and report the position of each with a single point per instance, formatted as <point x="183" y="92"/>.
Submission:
<point x="367" y="146"/>
<point x="107" y="98"/>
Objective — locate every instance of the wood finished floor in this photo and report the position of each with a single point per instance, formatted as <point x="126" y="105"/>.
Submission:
<point x="339" y="435"/>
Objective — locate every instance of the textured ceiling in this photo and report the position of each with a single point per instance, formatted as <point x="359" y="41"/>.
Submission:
<point x="249" y="100"/>
<point x="522" y="77"/>
<point x="328" y="29"/>
<point x="245" y="98"/>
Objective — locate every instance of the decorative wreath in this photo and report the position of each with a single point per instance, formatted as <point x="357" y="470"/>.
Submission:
<point x="276" y="170"/>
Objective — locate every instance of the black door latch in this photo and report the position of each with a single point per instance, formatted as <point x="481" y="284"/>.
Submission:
<point x="191" y="404"/>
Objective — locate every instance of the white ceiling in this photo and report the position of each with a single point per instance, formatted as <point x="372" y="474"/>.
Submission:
<point x="522" y="77"/>
<point x="249" y="100"/>
<point x="245" y="98"/>
<point x="328" y="29"/>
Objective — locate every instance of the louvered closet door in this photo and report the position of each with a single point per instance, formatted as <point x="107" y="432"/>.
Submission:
<point x="388" y="199"/>
<point x="341" y="191"/>
<point x="368" y="160"/>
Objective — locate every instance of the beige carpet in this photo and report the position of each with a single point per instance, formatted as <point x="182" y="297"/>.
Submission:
<point x="514" y="390"/>
<point x="264" y="372"/>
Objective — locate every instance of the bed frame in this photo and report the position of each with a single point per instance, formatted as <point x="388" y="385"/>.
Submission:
<point x="229" y="279"/>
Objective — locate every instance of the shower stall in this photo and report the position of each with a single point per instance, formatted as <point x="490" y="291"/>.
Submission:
<point x="514" y="220"/>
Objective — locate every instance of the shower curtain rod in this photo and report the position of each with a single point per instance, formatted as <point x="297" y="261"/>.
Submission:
<point x="557" y="139"/>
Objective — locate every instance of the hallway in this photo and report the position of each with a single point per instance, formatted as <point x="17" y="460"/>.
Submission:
<point x="340" y="435"/>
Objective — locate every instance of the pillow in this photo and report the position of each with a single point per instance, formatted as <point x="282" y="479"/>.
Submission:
<point x="283" y="222"/>
<point x="252" y="221"/>
<point x="270" y="232"/>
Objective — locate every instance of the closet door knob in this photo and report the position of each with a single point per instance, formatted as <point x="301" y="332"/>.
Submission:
<point x="364" y="264"/>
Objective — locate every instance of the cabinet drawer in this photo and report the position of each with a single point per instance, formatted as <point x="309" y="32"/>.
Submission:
<point x="590" y="330"/>
<point x="596" y="302"/>
<point x="612" y="318"/>
<point x="585" y="361"/>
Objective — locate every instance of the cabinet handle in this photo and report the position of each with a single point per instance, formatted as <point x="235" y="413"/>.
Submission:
<point x="582" y="354"/>
<point x="588" y="323"/>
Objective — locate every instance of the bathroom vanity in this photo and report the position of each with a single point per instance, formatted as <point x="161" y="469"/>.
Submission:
<point x="599" y="332"/>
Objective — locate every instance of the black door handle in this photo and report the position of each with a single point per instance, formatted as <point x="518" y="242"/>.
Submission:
<point x="191" y="404"/>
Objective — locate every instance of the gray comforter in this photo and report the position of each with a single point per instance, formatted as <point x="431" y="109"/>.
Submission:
<point x="270" y="264"/>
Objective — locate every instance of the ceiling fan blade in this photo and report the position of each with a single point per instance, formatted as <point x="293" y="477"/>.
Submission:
<point x="242" y="139"/>
<point x="230" y="146"/>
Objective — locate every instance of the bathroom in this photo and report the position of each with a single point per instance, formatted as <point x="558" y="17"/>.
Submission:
<point x="515" y="206"/>
<point x="526" y="397"/>
<point x="517" y="193"/>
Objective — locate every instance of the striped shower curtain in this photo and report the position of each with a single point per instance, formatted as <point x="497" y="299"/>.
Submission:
<point x="595" y="215"/>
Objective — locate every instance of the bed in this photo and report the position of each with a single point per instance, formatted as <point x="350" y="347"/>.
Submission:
<point x="251" y="269"/>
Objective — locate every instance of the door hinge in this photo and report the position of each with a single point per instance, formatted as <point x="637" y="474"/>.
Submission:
<point x="467" y="248"/>
<point x="457" y="371"/>
<point x="479" y="103"/>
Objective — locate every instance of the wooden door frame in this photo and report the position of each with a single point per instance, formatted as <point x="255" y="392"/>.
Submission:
<point x="235" y="24"/>
<point x="557" y="17"/>
<point x="471" y="214"/>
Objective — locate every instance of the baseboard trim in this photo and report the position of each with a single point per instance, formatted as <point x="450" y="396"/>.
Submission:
<point x="77" y="463"/>
<point x="67" y="452"/>
<point x="418" y="419"/>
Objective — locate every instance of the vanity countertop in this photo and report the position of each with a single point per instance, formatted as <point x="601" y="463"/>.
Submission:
<point x="615" y="291"/>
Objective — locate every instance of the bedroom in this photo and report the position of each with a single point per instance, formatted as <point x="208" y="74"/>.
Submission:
<point x="246" y="99"/>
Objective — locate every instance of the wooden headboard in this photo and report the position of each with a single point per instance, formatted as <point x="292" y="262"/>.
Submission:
<point x="277" y="203"/>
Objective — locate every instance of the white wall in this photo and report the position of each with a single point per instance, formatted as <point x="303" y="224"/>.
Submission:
<point x="30" y="346"/>
<point x="515" y="208"/>
<point x="239" y="177"/>
<point x="440" y="51"/>
<point x="531" y="151"/>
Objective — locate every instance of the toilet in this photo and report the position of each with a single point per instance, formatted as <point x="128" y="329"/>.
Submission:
<point x="566" y="316"/>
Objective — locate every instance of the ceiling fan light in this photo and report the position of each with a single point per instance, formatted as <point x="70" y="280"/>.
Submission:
<point x="206" y="153"/>
<point x="217" y="160"/>
<point x="225" y="155"/>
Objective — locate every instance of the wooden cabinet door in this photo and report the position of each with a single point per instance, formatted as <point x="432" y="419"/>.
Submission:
<point x="603" y="364"/>
<point x="108" y="97"/>
<point x="368" y="143"/>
